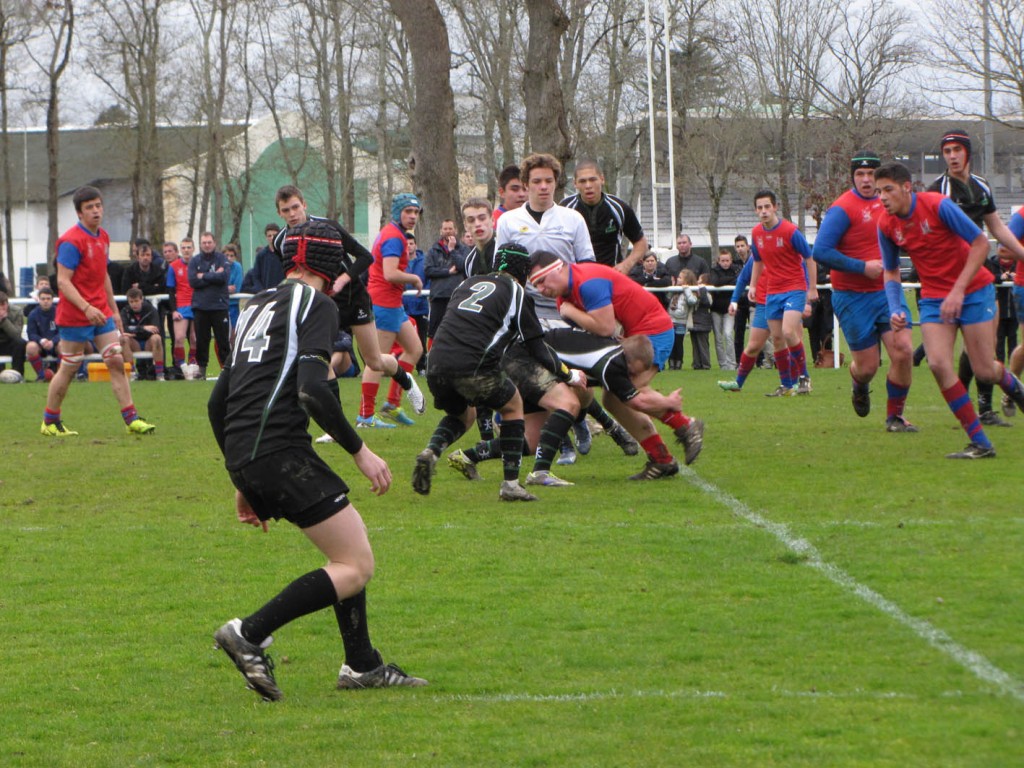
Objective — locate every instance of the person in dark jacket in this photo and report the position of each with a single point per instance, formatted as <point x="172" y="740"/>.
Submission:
<point x="724" y="272"/>
<point x="651" y="273"/>
<point x="444" y="268"/>
<point x="266" y="270"/>
<point x="701" y="327"/>
<point x="208" y="273"/>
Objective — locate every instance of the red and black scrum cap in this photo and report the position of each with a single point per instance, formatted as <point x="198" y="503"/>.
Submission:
<point x="316" y="246"/>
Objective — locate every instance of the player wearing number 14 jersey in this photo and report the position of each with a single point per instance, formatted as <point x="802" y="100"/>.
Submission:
<point x="274" y="381"/>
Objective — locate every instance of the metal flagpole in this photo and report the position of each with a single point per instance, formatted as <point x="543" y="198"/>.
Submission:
<point x="650" y="120"/>
<point x="671" y="130"/>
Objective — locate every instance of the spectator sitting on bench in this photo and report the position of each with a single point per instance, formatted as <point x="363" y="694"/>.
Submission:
<point x="43" y="335"/>
<point x="12" y="320"/>
<point x="142" y="330"/>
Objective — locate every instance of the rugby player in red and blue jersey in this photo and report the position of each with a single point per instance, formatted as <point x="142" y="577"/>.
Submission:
<point x="87" y="315"/>
<point x="947" y="250"/>
<point x="778" y="245"/>
<point x="1016" y="227"/>
<point x="847" y="243"/>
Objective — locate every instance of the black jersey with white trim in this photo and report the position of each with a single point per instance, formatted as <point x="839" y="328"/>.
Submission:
<point x="600" y="357"/>
<point x="276" y="329"/>
<point x="607" y="222"/>
<point x="485" y="314"/>
<point x="480" y="262"/>
<point x="357" y="259"/>
<point x="973" y="197"/>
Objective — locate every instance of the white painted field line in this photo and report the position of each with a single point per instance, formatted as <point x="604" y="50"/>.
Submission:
<point x="972" y="661"/>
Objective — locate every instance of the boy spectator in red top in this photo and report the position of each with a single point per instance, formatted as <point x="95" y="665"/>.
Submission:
<point x="181" y="300"/>
<point x="87" y="315"/>
<point x="947" y="250"/>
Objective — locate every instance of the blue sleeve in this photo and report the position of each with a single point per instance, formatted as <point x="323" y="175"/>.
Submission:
<point x="957" y="220"/>
<point x="799" y="242"/>
<point x="172" y="280"/>
<point x="833" y="227"/>
<point x="1016" y="225"/>
<point x="596" y="293"/>
<point x="890" y="252"/>
<point x="392" y="248"/>
<point x="753" y="251"/>
<point x="33" y="327"/>
<point x="742" y="281"/>
<point x="68" y="255"/>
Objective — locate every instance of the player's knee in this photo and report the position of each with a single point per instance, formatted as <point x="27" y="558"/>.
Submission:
<point x="113" y="356"/>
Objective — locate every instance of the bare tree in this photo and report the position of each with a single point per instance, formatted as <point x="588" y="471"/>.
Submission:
<point x="547" y="127"/>
<point x="14" y="31"/>
<point x="129" y="52"/>
<point x="432" y="163"/>
<point x="787" y="37"/>
<point x="959" y="47"/>
<point x="57" y="21"/>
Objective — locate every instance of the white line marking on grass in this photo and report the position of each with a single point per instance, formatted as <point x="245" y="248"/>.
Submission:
<point x="972" y="661"/>
<point x="501" y="698"/>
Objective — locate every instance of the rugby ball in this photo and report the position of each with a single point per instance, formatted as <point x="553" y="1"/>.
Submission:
<point x="10" y="376"/>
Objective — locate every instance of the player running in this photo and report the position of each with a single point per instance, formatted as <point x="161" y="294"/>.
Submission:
<point x="847" y="243"/>
<point x="947" y="250"/>
<point x="274" y="382"/>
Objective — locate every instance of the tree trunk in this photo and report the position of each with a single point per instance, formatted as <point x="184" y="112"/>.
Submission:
<point x="432" y="164"/>
<point x="58" y="63"/>
<point x="547" y="128"/>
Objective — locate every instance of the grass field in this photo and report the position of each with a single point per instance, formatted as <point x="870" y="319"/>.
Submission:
<point x="815" y="592"/>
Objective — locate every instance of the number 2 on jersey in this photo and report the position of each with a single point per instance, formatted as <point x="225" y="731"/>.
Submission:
<point x="480" y="292"/>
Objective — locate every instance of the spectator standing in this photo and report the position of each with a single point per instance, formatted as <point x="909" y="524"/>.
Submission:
<point x="208" y="273"/>
<point x="680" y="309"/>
<point x="235" y="278"/>
<point x="266" y="271"/>
<point x="1004" y="268"/>
<point x="144" y="273"/>
<point x="701" y="327"/>
<point x="416" y="307"/>
<point x="181" y="299"/>
<point x="651" y="273"/>
<point x="43" y="335"/>
<point x="444" y="269"/>
<point x="723" y="273"/>
<point x="685" y="258"/>
<point x="12" y="321"/>
<point x="512" y="192"/>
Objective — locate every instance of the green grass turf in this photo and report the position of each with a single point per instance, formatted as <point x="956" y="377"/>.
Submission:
<point x="611" y="624"/>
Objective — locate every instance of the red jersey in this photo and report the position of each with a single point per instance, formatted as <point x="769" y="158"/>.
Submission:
<point x="936" y="235"/>
<point x="860" y="241"/>
<point x="783" y="250"/>
<point x="177" y="278"/>
<point x="593" y="285"/>
<point x="87" y="255"/>
<point x="390" y="243"/>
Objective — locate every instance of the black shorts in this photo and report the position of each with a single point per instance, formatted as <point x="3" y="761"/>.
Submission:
<point x="354" y="306"/>
<point x="531" y="378"/>
<point x="453" y="394"/>
<point x="296" y="485"/>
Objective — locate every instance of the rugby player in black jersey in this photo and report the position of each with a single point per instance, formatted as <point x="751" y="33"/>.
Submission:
<point x="274" y="381"/>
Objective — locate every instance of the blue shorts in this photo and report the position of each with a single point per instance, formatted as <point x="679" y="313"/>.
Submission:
<point x="864" y="317"/>
<point x="185" y="312"/>
<point x="1018" y="299"/>
<point x="760" y="318"/>
<point x="83" y="334"/>
<point x="389" y="318"/>
<point x="979" y="307"/>
<point x="779" y="304"/>
<point x="662" y="343"/>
